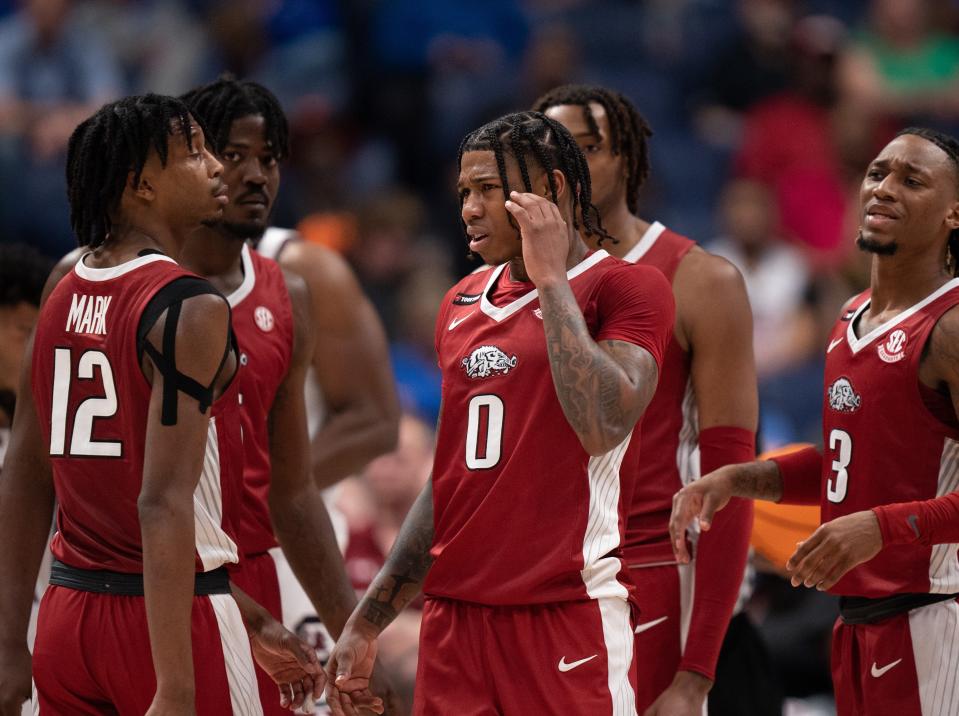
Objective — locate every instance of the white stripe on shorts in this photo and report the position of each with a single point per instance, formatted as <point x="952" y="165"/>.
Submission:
<point x="244" y="694"/>
<point x="618" y="635"/>
<point x="934" y="630"/>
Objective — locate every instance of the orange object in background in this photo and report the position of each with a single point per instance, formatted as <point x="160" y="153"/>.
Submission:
<point x="777" y="528"/>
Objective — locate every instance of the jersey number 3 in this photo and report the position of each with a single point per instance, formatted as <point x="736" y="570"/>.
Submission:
<point x="836" y="486"/>
<point x="484" y="432"/>
<point x="82" y="443"/>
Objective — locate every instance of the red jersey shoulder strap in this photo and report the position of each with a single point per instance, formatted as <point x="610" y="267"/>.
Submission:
<point x="661" y="248"/>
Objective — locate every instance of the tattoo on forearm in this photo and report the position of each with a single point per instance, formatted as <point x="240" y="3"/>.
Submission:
<point x="758" y="481"/>
<point x="589" y="383"/>
<point x="400" y="580"/>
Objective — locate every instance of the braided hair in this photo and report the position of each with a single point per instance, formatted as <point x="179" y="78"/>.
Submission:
<point x="526" y="135"/>
<point x="106" y="147"/>
<point x="222" y="102"/>
<point x="628" y="129"/>
<point x="950" y="146"/>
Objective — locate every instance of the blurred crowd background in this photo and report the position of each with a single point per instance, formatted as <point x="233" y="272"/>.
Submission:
<point x="765" y="114"/>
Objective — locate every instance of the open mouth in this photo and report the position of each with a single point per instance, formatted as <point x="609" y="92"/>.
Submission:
<point x="477" y="242"/>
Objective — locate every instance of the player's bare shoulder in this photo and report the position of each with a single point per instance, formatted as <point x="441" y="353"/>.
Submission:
<point x="940" y="363"/>
<point x="325" y="271"/>
<point x="705" y="286"/>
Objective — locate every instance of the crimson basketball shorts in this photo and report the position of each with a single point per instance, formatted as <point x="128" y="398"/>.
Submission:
<point x="664" y="594"/>
<point x="256" y="575"/>
<point x="92" y="656"/>
<point x="563" y="659"/>
<point x="906" y="665"/>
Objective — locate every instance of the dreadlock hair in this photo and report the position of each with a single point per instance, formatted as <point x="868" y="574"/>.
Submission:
<point x="950" y="146"/>
<point x="525" y="135"/>
<point x="106" y="147"/>
<point x="628" y="129"/>
<point x="222" y="102"/>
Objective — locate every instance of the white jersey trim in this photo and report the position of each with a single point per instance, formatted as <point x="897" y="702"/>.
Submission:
<point x="501" y="313"/>
<point x="654" y="231"/>
<point x="273" y="240"/>
<point x="106" y="274"/>
<point x="943" y="564"/>
<point x="249" y="279"/>
<point x="213" y="545"/>
<point x="857" y="344"/>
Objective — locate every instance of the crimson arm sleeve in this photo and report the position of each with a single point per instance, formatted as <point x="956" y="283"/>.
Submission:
<point x="801" y="473"/>
<point x="721" y="554"/>
<point x="925" y="522"/>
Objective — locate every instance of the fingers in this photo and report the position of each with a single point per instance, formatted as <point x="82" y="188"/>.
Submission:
<point x="685" y="507"/>
<point x="304" y="654"/>
<point x="711" y="504"/>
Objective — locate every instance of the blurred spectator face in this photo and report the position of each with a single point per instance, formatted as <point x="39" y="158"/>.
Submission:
<point x="397" y="478"/>
<point x="252" y="174"/>
<point x="899" y="20"/>
<point x="767" y="21"/>
<point x="16" y="322"/>
<point x="607" y="171"/>
<point x="48" y="16"/>
<point x="908" y="196"/>
<point x="483" y="206"/>
<point x="389" y="226"/>
<point x="748" y="213"/>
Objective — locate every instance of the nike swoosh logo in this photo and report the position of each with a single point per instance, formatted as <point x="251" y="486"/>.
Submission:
<point x="833" y="344"/>
<point x="879" y="672"/>
<point x="649" y="625"/>
<point x="456" y="321"/>
<point x="564" y="667"/>
<point x="913" y="521"/>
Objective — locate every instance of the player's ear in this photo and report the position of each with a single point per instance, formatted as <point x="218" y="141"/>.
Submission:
<point x="144" y="188"/>
<point x="952" y="218"/>
<point x="562" y="186"/>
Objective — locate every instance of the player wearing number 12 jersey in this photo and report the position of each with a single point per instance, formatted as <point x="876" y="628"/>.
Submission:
<point x="548" y="362"/>
<point x="887" y="480"/>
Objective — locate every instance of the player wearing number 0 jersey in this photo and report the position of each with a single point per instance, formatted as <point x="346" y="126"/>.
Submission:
<point x="528" y="603"/>
<point x="886" y="481"/>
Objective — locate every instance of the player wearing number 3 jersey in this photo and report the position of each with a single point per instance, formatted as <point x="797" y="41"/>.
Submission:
<point x="548" y="362"/>
<point x="887" y="479"/>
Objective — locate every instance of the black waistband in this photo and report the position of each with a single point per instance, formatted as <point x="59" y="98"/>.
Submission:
<point x="861" y="610"/>
<point x="216" y="581"/>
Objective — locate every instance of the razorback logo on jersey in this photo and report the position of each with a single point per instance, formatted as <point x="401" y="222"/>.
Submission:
<point x="465" y="299"/>
<point x="843" y="398"/>
<point x="487" y="361"/>
<point x="892" y="350"/>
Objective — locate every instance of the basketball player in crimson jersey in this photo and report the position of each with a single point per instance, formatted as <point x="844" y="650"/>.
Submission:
<point x="132" y="418"/>
<point x="548" y="363"/>
<point x="705" y="403"/>
<point x="886" y="483"/>
<point x="273" y="322"/>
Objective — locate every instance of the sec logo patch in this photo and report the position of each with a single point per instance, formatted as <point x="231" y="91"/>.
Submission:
<point x="893" y="350"/>
<point x="263" y="317"/>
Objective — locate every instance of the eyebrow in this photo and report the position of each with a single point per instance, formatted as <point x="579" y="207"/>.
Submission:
<point x="597" y="134"/>
<point x="476" y="178"/>
<point x="913" y="168"/>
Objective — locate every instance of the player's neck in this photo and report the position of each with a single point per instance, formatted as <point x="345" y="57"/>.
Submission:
<point x="211" y="252"/>
<point x="128" y="239"/>
<point x="898" y="282"/>
<point x="623" y="226"/>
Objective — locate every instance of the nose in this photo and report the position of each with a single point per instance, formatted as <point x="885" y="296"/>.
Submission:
<point x="253" y="172"/>
<point x="213" y="166"/>
<point x="886" y="188"/>
<point x="472" y="207"/>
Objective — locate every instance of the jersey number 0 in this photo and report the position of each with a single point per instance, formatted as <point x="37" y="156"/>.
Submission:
<point x="82" y="443"/>
<point x="484" y="432"/>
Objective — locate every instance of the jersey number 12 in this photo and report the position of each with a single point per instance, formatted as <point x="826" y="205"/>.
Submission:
<point x="82" y="443"/>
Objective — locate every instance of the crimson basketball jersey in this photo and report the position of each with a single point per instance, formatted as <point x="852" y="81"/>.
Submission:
<point x="882" y="444"/>
<point x="263" y="323"/>
<point x="92" y="401"/>
<point x="522" y="513"/>
<point x="669" y="434"/>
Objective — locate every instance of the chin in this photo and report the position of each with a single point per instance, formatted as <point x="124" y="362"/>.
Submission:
<point x="244" y="229"/>
<point x="875" y="245"/>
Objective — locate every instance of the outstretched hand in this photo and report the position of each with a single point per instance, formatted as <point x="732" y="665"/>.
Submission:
<point x="834" y="548"/>
<point x="701" y="499"/>
<point x="291" y="663"/>
<point x="349" y="672"/>
<point x="545" y="235"/>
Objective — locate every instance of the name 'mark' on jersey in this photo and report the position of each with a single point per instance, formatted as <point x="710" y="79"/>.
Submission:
<point x="522" y="513"/>
<point x="92" y="401"/>
<point x="885" y="442"/>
